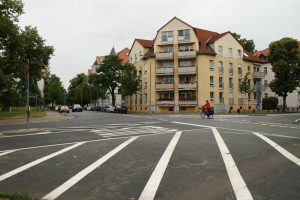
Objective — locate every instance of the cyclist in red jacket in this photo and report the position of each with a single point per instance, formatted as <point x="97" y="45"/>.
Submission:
<point x="207" y="108"/>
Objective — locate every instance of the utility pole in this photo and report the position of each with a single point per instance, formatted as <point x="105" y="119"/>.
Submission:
<point x="27" y="106"/>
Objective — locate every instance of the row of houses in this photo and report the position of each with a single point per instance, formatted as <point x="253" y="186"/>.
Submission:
<point x="183" y="66"/>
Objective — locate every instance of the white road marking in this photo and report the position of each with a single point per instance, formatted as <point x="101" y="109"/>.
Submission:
<point x="72" y="181"/>
<point x="281" y="150"/>
<point x="33" y="163"/>
<point x="238" y="184"/>
<point x="39" y="133"/>
<point x="6" y="152"/>
<point x="155" y="179"/>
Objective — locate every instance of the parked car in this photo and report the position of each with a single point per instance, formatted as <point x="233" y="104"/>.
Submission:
<point x="62" y="109"/>
<point x="110" y="109"/>
<point x="121" y="109"/>
<point x="77" y="108"/>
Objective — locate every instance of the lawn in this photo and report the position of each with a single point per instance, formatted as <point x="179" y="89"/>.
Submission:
<point x="20" y="112"/>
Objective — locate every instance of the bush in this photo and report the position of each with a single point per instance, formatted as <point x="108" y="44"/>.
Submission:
<point x="16" y="196"/>
<point x="269" y="103"/>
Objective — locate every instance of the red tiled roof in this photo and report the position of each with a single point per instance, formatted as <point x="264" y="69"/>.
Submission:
<point x="123" y="54"/>
<point x="145" y="43"/>
<point x="264" y="52"/>
<point x="204" y="35"/>
<point x="250" y="57"/>
<point x="150" y="53"/>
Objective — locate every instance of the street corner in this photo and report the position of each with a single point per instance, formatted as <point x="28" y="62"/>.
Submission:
<point x="22" y="131"/>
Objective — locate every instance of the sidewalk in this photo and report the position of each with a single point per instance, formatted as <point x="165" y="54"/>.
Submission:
<point x="51" y="116"/>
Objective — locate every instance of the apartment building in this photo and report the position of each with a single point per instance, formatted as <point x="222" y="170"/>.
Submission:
<point x="292" y="100"/>
<point x="183" y="66"/>
<point x="123" y="54"/>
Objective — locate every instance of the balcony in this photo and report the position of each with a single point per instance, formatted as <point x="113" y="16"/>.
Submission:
<point x="186" y="70"/>
<point x="165" y="102"/>
<point x="187" y="86"/>
<point x="187" y="102"/>
<point x="258" y="74"/>
<point x="165" y="71"/>
<point x="164" y="56"/>
<point x="186" y="54"/>
<point x="164" y="86"/>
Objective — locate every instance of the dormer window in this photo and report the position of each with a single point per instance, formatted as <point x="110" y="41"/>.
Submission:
<point x="167" y="36"/>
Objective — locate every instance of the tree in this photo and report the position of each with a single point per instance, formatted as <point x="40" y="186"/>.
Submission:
<point x="245" y="88"/>
<point x="97" y="92"/>
<point x="110" y="74"/>
<point x="130" y="82"/>
<point x="285" y="59"/>
<point x="247" y="44"/>
<point x="79" y="90"/>
<point x="54" y="90"/>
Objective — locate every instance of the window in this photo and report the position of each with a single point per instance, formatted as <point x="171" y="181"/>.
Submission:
<point x="240" y="70"/>
<point x="186" y="95"/>
<point x="266" y="70"/>
<point x="221" y="69"/>
<point x="211" y="65"/>
<point x="185" y="79"/>
<point x="183" y="35"/>
<point x="146" y="83"/>
<point x="211" y="81"/>
<point x="141" y="99"/>
<point x="239" y="53"/>
<point x="135" y="100"/>
<point x="266" y="83"/>
<point x="169" y="64"/>
<point x="240" y="82"/>
<point x="146" y="98"/>
<point x="221" y="84"/>
<point x="211" y="96"/>
<point x="168" y="49"/>
<point x="168" y="80"/>
<point x="266" y="95"/>
<point x="230" y="68"/>
<point x="249" y="68"/>
<point x="186" y="63"/>
<point x="231" y="83"/>
<point x="230" y="52"/>
<point x="145" y="68"/>
<point x="220" y="50"/>
<point x="167" y="36"/>
<point x="221" y="97"/>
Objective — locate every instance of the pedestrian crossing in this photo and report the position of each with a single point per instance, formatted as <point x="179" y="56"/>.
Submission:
<point x="166" y="145"/>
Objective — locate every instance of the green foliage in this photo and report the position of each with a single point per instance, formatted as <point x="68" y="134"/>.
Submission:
<point x="247" y="44"/>
<point x="110" y="74"/>
<point x="285" y="59"/>
<point x="130" y="82"/>
<point x="16" y="196"/>
<point x="79" y="91"/>
<point x="54" y="90"/>
<point x="245" y="86"/>
<point x="97" y="92"/>
<point x="269" y="103"/>
<point x="17" y="46"/>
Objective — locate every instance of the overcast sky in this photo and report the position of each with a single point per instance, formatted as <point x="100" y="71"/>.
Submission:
<point x="80" y="30"/>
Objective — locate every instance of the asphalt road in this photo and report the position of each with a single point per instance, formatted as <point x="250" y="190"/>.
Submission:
<point x="116" y="156"/>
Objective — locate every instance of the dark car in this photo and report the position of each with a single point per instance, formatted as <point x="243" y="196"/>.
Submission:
<point x="121" y="109"/>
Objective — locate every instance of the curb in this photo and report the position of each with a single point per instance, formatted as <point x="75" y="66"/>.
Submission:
<point x="22" y="131"/>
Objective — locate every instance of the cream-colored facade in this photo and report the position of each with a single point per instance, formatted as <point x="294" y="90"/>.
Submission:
<point x="186" y="66"/>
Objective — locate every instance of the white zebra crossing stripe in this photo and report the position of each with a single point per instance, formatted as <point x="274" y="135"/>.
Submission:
<point x="281" y="150"/>
<point x="33" y="163"/>
<point x="155" y="179"/>
<point x="6" y="152"/>
<point x="69" y="183"/>
<point x="239" y="186"/>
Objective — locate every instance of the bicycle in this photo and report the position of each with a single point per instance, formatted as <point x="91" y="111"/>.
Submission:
<point x="203" y="113"/>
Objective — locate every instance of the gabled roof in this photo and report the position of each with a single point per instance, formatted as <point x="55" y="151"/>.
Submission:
<point x="123" y="54"/>
<point x="250" y="57"/>
<point x="145" y="43"/>
<point x="150" y="53"/>
<point x="264" y="52"/>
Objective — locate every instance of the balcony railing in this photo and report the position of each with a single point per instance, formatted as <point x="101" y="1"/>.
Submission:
<point x="187" y="54"/>
<point x="258" y="75"/>
<point x="231" y="101"/>
<point x="165" y="71"/>
<point x="183" y="38"/>
<point x="165" y="101"/>
<point x="187" y="86"/>
<point x="259" y="87"/>
<point x="187" y="102"/>
<point x="164" y="86"/>
<point x="186" y="70"/>
<point x="164" y="56"/>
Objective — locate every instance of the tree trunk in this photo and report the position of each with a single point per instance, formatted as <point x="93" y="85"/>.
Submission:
<point x="284" y="103"/>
